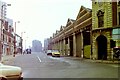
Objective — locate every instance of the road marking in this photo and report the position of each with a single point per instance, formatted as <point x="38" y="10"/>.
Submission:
<point x="39" y="58"/>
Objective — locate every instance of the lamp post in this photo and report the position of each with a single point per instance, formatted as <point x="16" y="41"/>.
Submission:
<point x="26" y="42"/>
<point x="2" y="20"/>
<point x="22" y="41"/>
<point x="15" y="51"/>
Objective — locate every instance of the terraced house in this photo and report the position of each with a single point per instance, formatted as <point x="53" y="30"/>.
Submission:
<point x="93" y="34"/>
<point x="6" y="32"/>
<point x="8" y="38"/>
<point x="8" y="35"/>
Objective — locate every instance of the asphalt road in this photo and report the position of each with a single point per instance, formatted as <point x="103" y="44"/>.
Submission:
<point x="39" y="65"/>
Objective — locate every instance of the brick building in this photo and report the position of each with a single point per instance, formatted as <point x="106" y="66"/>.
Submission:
<point x="8" y="39"/>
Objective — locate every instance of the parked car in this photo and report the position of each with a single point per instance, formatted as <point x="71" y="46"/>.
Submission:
<point x="55" y="53"/>
<point x="10" y="72"/>
<point x="116" y="53"/>
<point x="49" y="52"/>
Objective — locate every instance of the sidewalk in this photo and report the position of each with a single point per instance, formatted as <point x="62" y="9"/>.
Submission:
<point x="103" y="61"/>
<point x="8" y="59"/>
<point x="95" y="61"/>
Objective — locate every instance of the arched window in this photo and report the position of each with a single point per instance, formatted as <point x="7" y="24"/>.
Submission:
<point x="100" y="15"/>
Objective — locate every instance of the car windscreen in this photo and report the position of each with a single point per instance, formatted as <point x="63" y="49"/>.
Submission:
<point x="55" y="51"/>
<point x="49" y="51"/>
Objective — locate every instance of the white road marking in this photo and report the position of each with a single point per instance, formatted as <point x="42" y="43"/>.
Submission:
<point x="39" y="58"/>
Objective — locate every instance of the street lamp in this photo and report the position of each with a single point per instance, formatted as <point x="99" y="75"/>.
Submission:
<point x="26" y="42"/>
<point x="2" y="20"/>
<point x="15" y="51"/>
<point x="16" y="24"/>
<point x="22" y="41"/>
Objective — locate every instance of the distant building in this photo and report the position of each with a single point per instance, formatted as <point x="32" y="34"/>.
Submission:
<point x="36" y="46"/>
<point x="46" y="42"/>
<point x="3" y="10"/>
<point x="47" y="45"/>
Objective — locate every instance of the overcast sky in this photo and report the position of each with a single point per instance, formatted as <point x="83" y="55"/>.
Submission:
<point x="41" y="18"/>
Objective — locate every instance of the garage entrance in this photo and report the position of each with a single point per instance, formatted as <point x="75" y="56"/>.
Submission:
<point x="102" y="47"/>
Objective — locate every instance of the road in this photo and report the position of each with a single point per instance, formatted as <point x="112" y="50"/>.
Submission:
<point x="39" y="65"/>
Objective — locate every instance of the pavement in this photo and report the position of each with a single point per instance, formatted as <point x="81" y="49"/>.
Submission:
<point x="104" y="61"/>
<point x="96" y="61"/>
<point x="10" y="59"/>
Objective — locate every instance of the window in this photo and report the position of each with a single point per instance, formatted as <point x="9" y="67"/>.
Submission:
<point x="100" y="15"/>
<point x="3" y="37"/>
<point x="119" y="18"/>
<point x="100" y="3"/>
<point x="112" y="44"/>
<point x="9" y="39"/>
<point x="66" y="41"/>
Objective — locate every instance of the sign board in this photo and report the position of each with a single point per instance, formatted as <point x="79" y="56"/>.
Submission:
<point x="116" y="31"/>
<point x="116" y="34"/>
<point x="116" y="37"/>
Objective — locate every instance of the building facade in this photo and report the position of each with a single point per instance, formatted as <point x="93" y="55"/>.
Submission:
<point x="2" y="18"/>
<point x="7" y="34"/>
<point x="8" y="38"/>
<point x="93" y="34"/>
<point x="46" y="42"/>
<point x="105" y="19"/>
<point x="36" y="46"/>
<point x="18" y="44"/>
<point x="47" y="45"/>
<point x="74" y="38"/>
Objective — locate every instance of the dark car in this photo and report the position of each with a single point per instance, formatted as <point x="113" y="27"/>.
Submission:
<point x="28" y="51"/>
<point x="116" y="53"/>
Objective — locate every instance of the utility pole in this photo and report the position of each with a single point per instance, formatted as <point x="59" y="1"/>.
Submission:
<point x="15" y="49"/>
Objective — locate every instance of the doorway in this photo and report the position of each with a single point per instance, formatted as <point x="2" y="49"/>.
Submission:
<point x="102" y="47"/>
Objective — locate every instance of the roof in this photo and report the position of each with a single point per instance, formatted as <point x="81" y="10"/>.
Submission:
<point x="70" y="21"/>
<point x="83" y="8"/>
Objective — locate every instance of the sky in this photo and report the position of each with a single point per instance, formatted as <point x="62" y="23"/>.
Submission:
<point x="39" y="19"/>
